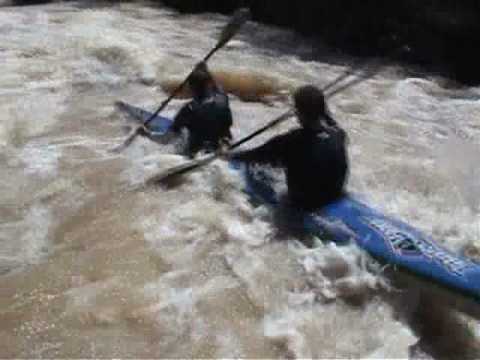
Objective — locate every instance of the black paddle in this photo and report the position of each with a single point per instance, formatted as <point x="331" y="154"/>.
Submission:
<point x="195" y="164"/>
<point x="238" y="19"/>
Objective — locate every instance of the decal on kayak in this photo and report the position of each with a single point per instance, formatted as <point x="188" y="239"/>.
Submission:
<point x="405" y="244"/>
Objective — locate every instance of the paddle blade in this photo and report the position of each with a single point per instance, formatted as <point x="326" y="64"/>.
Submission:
<point x="240" y="17"/>
<point x="180" y="169"/>
<point x="128" y="141"/>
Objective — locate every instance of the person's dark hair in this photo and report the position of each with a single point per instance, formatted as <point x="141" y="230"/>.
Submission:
<point x="200" y="79"/>
<point x="310" y="102"/>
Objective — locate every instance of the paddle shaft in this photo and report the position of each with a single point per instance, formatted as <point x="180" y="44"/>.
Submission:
<point x="179" y="87"/>
<point x="285" y="116"/>
<point x="238" y="19"/>
<point x="272" y="123"/>
<point x="195" y="164"/>
<point x="198" y="163"/>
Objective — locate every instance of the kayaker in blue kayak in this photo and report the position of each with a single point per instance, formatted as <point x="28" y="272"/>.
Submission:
<point x="314" y="156"/>
<point x="207" y="117"/>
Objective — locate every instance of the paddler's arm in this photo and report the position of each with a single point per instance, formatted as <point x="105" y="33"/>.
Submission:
<point x="330" y="121"/>
<point x="271" y="152"/>
<point x="180" y="121"/>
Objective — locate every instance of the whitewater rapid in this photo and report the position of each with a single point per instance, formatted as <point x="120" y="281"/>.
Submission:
<point x="89" y="268"/>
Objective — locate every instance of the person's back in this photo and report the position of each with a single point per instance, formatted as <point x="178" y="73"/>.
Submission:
<point x="314" y="156"/>
<point x="316" y="166"/>
<point x="208" y="121"/>
<point x="207" y="117"/>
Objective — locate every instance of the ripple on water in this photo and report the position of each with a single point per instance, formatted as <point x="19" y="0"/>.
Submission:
<point x="25" y="241"/>
<point x="196" y="270"/>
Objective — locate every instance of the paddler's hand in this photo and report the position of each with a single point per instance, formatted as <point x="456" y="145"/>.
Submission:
<point x="224" y="144"/>
<point x="223" y="148"/>
<point x="144" y="131"/>
<point x="224" y="155"/>
<point x="201" y="66"/>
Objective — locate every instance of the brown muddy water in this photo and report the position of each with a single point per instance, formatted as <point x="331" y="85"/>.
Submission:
<point x="90" y="269"/>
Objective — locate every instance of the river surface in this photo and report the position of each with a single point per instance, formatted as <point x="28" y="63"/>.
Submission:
<point x="89" y="268"/>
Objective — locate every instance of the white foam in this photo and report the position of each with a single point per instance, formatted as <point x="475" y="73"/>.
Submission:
<point x="215" y="246"/>
<point x="25" y="241"/>
<point x="40" y="160"/>
<point x="335" y="331"/>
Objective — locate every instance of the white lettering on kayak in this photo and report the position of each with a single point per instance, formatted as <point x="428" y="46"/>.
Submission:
<point x="404" y="243"/>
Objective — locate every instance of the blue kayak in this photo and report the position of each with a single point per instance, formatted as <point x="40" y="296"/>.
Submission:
<point x="388" y="240"/>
